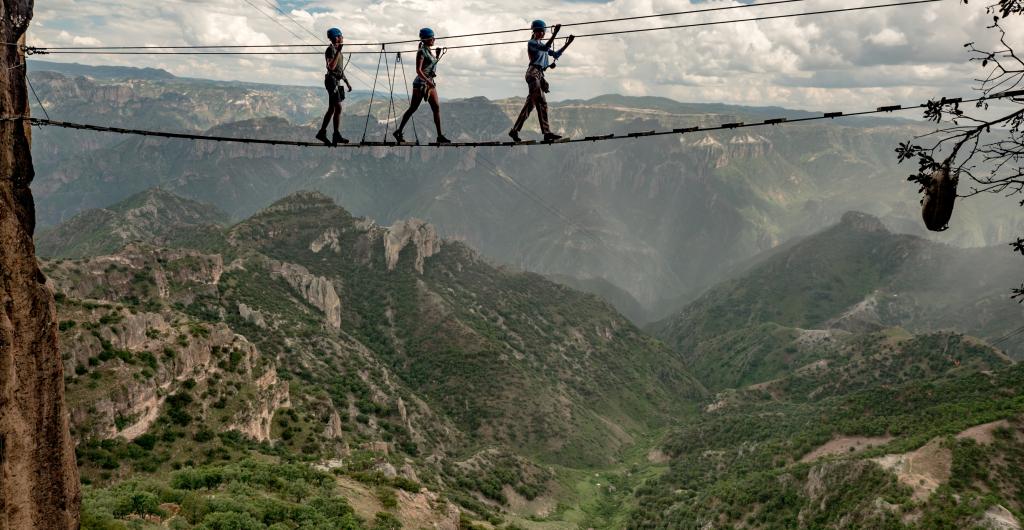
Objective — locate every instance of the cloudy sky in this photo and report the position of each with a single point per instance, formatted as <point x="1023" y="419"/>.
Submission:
<point x="848" y="60"/>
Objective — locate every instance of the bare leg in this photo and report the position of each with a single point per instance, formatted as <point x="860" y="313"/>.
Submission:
<point x="435" y="107"/>
<point x="417" y="98"/>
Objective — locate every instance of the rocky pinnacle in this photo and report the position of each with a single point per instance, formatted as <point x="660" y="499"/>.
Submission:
<point x="38" y="477"/>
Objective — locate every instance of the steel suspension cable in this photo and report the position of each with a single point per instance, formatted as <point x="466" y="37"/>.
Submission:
<point x="38" y="50"/>
<point x="408" y="98"/>
<point x="360" y="79"/>
<point x="315" y="38"/>
<point x="373" y="92"/>
<point x="289" y="17"/>
<point x="714" y="23"/>
<point x="588" y="139"/>
<point x="391" y="96"/>
<point x="413" y="41"/>
<point x="39" y="101"/>
<point x="272" y="19"/>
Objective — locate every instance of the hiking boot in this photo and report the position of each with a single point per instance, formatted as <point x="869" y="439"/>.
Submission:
<point x="339" y="139"/>
<point x="322" y="136"/>
<point x="551" y="137"/>
<point x="441" y="139"/>
<point x="398" y="136"/>
<point x="514" y="135"/>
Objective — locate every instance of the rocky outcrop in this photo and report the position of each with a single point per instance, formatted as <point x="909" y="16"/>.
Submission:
<point x="271" y="394"/>
<point x="300" y="201"/>
<point x="118" y="276"/>
<point x="253" y="316"/>
<point x="863" y="317"/>
<point x="421" y="235"/>
<point x="334" y="428"/>
<point x="133" y="404"/>
<point x="328" y="240"/>
<point x="749" y="146"/>
<point x="317" y="290"/>
<point x="38" y="477"/>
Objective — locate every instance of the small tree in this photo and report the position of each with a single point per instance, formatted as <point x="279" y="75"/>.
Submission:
<point x="984" y="150"/>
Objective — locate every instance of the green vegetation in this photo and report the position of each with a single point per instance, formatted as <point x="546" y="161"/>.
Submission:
<point x="501" y="393"/>
<point x="743" y="461"/>
<point x="242" y="495"/>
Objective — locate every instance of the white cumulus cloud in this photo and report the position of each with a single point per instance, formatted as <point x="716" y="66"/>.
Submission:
<point x="858" y="59"/>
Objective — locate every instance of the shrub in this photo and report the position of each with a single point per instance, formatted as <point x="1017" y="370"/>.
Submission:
<point x="146" y="441"/>
<point x="138" y="503"/>
<point x="230" y="521"/>
<point x="386" y="521"/>
<point x="203" y="435"/>
<point x="194" y="479"/>
<point x="387" y="497"/>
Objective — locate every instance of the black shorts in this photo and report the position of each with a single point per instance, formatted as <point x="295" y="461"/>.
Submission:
<point x="335" y="91"/>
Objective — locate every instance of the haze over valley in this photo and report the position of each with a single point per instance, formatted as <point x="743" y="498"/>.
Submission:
<point x="739" y="329"/>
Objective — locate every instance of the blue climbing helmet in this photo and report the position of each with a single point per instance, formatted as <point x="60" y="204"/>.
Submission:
<point x="333" y="33"/>
<point x="538" y="25"/>
<point x="426" y="33"/>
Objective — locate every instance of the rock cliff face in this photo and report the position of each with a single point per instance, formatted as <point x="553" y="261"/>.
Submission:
<point x="271" y="394"/>
<point x="316" y="290"/>
<point x="421" y="235"/>
<point x="38" y="477"/>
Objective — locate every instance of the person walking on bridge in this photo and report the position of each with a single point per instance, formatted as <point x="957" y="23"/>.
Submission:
<point x="538" y="50"/>
<point x="335" y="92"/>
<point x="425" y="86"/>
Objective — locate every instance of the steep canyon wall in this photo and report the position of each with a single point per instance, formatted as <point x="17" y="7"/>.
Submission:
<point x="38" y="478"/>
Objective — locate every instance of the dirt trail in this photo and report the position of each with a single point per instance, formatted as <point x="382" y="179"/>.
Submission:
<point x="845" y="445"/>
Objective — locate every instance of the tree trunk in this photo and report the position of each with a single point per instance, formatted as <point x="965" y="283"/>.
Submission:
<point x="38" y="476"/>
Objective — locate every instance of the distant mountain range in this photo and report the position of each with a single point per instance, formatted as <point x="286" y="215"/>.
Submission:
<point x="104" y="72"/>
<point x="659" y="219"/>
<point x="855" y="277"/>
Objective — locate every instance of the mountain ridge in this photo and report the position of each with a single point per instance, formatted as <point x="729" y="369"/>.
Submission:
<point x="670" y="213"/>
<point x="856" y="276"/>
<point x="154" y="216"/>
